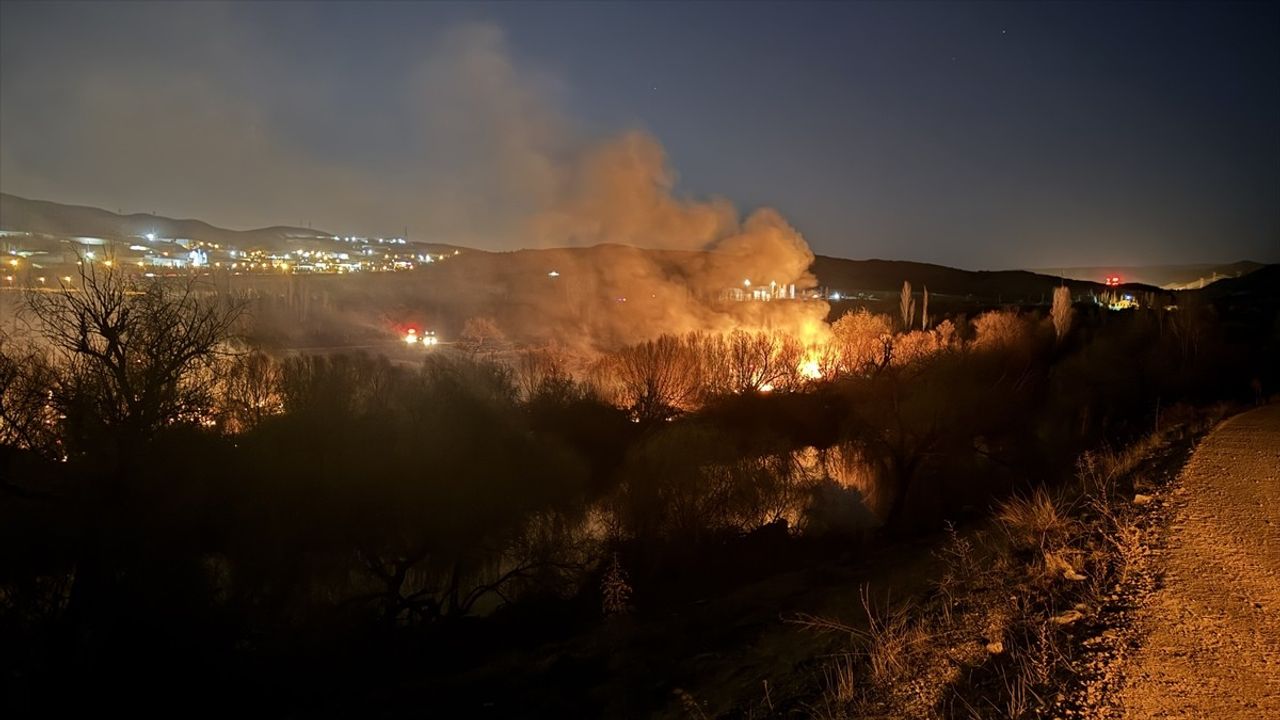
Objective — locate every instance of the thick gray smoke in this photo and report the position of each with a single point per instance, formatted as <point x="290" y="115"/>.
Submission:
<point x="484" y="157"/>
<point x="614" y="254"/>
<point x="622" y="191"/>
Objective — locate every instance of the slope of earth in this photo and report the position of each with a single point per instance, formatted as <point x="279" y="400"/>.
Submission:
<point x="1011" y="286"/>
<point x="42" y="217"/>
<point x="1211" y="631"/>
<point x="1169" y="277"/>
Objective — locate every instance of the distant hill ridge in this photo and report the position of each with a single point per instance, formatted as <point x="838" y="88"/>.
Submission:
<point x="838" y="274"/>
<point x="51" y="218"/>
<point x="888" y="275"/>
<point x="1169" y="277"/>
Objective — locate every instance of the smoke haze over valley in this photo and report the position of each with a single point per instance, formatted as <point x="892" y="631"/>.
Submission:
<point x="469" y="132"/>
<point x="741" y="360"/>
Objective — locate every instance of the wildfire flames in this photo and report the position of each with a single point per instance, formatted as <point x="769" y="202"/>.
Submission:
<point x="811" y="369"/>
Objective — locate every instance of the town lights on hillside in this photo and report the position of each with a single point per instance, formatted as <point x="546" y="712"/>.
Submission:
<point x="746" y="282"/>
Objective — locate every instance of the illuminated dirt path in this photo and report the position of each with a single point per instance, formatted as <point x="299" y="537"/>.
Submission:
<point x="1211" y="632"/>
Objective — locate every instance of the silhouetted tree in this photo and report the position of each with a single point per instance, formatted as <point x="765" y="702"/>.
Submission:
<point x="27" y="419"/>
<point x="658" y="378"/>
<point x="249" y="391"/>
<point x="131" y="355"/>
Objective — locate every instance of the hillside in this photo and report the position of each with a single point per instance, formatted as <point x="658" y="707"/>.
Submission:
<point x="50" y="218"/>
<point x="1263" y="283"/>
<point x="44" y="218"/>
<point x="998" y="285"/>
<point x="1169" y="277"/>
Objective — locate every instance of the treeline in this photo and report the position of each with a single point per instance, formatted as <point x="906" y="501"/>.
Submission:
<point x="167" y="494"/>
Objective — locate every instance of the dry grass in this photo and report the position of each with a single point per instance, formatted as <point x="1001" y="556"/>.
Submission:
<point x="1039" y="521"/>
<point x="840" y="680"/>
<point x="900" y="670"/>
<point x="997" y="638"/>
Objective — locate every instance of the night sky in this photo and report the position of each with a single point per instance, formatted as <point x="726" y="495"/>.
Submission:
<point x="980" y="136"/>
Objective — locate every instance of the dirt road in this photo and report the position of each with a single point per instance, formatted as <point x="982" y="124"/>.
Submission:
<point x="1211" y="632"/>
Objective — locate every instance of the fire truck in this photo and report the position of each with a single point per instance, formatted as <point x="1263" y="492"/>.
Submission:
<point x="413" y="338"/>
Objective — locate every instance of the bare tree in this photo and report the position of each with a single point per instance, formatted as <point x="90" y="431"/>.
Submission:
<point x="131" y="356"/>
<point x="924" y="310"/>
<point x="480" y="334"/>
<point x="862" y="341"/>
<point x="658" y="378"/>
<point x="1000" y="330"/>
<point x="250" y="390"/>
<point x="27" y="420"/>
<point x="1062" y="311"/>
<point x="907" y="306"/>
<point x="760" y="361"/>
<point x="543" y="373"/>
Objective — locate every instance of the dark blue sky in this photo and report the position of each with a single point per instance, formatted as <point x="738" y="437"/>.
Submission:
<point x="977" y="135"/>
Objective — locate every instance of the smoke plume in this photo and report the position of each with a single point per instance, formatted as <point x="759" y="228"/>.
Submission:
<point x="478" y="152"/>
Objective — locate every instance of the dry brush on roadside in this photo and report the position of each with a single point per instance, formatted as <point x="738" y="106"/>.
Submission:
<point x="1028" y="610"/>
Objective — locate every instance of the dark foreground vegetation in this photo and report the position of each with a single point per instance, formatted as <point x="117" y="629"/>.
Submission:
<point x="192" y="528"/>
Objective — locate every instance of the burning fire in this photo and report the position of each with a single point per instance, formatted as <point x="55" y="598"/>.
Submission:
<point x="811" y="369"/>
